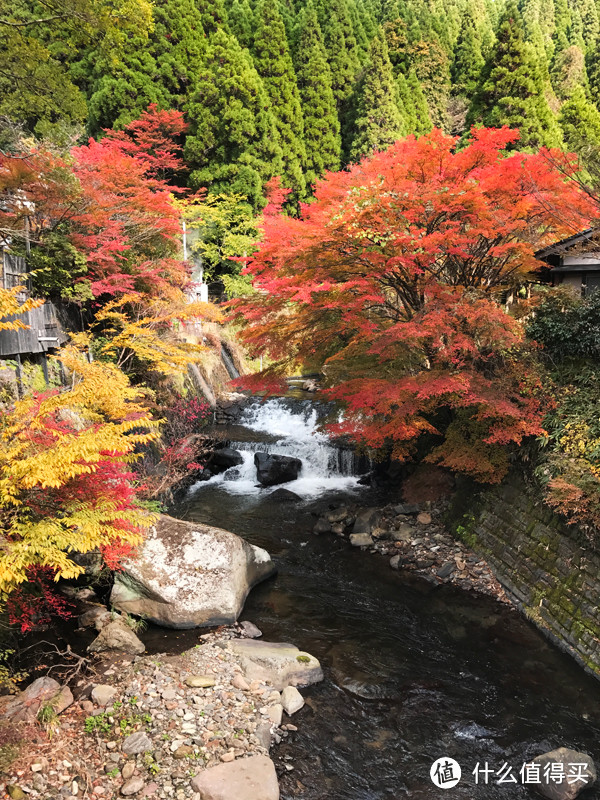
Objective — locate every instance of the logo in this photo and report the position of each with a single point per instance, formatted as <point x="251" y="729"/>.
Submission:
<point x="445" y="773"/>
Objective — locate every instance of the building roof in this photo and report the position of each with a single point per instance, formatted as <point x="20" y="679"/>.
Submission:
<point x="566" y="244"/>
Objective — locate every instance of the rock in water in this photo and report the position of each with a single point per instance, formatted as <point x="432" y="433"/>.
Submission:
<point x="284" y="496"/>
<point x="360" y="540"/>
<point x="251" y="778"/>
<point x="366" y="520"/>
<point x="277" y="663"/>
<point x="117" y="635"/>
<point x="291" y="700"/>
<point x="223" y="459"/>
<point x="188" y="575"/>
<point x="568" y="760"/>
<point x="274" y="469"/>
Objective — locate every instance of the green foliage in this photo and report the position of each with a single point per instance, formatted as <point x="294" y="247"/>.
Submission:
<point x="178" y="45"/>
<point x="321" y="123"/>
<point x="511" y="90"/>
<point x="118" y="90"/>
<point x="241" y="22"/>
<point x="341" y="46"/>
<point x="432" y="68"/>
<point x="580" y="122"/>
<point x="98" y="724"/>
<point x="379" y="122"/>
<point x="468" y="58"/>
<point x="37" y="40"/>
<point x="232" y="145"/>
<point x="567" y="326"/>
<point x="227" y="230"/>
<point x="274" y="64"/>
<point x="56" y="267"/>
<point x="420" y="119"/>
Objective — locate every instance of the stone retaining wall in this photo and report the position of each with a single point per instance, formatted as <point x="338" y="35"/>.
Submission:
<point x="547" y="567"/>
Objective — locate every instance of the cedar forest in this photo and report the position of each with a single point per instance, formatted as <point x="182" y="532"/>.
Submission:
<point x="369" y="181"/>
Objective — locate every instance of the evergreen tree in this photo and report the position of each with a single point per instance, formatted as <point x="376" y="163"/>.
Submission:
<point x="406" y="104"/>
<point x="232" y="142"/>
<point x="367" y="18"/>
<point x="562" y="22"/>
<point x="432" y="67"/>
<point x="213" y="15"/>
<point x="396" y="36"/>
<point x="468" y="59"/>
<point x="511" y="90"/>
<point x="360" y="35"/>
<point x="423" y="123"/>
<point x="590" y="23"/>
<point x="378" y="123"/>
<point x="321" y="123"/>
<point x="342" y="49"/>
<point x="241" y="22"/>
<point x="274" y="64"/>
<point x="569" y="72"/>
<point x="178" y="46"/>
<point x="119" y="89"/>
<point x="580" y="122"/>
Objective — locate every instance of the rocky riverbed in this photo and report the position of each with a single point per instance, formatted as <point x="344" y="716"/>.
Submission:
<point x="164" y="726"/>
<point x="416" y="539"/>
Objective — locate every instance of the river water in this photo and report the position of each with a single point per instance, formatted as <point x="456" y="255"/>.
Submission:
<point x="413" y="672"/>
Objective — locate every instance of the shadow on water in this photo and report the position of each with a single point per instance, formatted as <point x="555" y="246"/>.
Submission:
<point x="413" y="671"/>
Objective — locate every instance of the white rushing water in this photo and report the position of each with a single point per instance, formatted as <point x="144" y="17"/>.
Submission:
<point x="292" y="431"/>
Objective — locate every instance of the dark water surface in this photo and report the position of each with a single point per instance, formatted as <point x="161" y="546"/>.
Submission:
<point x="413" y="672"/>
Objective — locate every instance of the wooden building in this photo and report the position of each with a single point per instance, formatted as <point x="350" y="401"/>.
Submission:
<point x="574" y="262"/>
<point x="43" y="332"/>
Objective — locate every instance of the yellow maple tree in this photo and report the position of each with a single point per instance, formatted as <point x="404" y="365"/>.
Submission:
<point x="65" y="485"/>
<point x="11" y="304"/>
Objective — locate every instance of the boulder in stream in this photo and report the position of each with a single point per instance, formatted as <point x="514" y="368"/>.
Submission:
<point x="277" y="663"/>
<point x="272" y="469"/>
<point x="565" y="765"/>
<point x="118" y="636"/>
<point x="188" y="575"/>
<point x="284" y="496"/>
<point x="223" y="459"/>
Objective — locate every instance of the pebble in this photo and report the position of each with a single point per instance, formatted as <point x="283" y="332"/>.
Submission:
<point x="132" y="786"/>
<point x="136" y="743"/>
<point x="199" y="681"/>
<point x="179" y="731"/>
<point x="128" y="770"/>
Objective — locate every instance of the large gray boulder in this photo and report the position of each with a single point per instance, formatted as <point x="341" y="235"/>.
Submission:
<point x="188" y="575"/>
<point x="574" y="771"/>
<point x="251" y="778"/>
<point x="277" y="663"/>
<point x="274" y="469"/>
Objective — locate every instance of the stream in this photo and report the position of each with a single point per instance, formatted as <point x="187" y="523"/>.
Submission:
<point x="413" y="671"/>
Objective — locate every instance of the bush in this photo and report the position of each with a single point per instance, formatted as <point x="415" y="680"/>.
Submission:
<point x="567" y="326"/>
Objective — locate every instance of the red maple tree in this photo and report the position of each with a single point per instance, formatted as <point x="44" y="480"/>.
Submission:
<point x="389" y="284"/>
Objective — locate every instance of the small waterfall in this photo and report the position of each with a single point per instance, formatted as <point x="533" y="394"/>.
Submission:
<point x="290" y="429"/>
